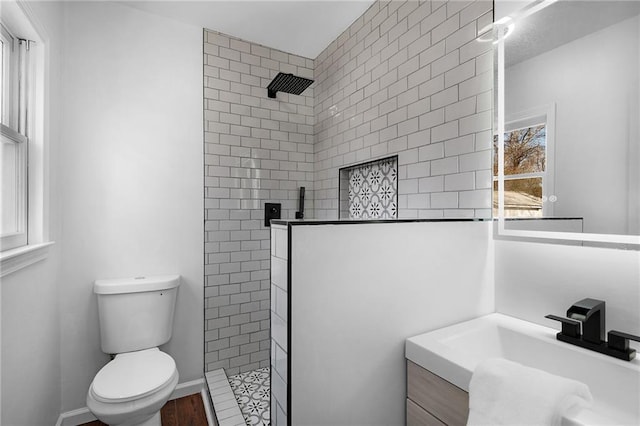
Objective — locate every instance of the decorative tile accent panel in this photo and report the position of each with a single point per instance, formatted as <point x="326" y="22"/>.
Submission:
<point x="372" y="190"/>
<point x="409" y="78"/>
<point x="257" y="150"/>
<point x="253" y="391"/>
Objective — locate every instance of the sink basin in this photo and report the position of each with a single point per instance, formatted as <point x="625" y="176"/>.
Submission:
<point x="454" y="352"/>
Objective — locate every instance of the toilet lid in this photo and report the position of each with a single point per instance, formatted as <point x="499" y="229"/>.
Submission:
<point x="133" y="375"/>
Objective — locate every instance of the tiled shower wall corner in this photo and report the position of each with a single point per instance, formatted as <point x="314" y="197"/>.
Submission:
<point x="409" y="78"/>
<point x="257" y="150"/>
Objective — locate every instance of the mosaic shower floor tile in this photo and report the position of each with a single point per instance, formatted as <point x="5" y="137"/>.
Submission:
<point x="252" y="391"/>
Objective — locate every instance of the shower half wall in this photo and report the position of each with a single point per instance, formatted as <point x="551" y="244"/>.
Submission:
<point x="257" y="150"/>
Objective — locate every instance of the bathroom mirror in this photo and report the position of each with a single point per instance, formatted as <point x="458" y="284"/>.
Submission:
<point x="567" y="128"/>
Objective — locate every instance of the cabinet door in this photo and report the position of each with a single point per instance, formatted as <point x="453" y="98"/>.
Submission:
<point x="416" y="416"/>
<point x="446" y="402"/>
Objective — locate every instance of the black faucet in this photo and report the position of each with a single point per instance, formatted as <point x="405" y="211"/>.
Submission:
<point x="590" y="314"/>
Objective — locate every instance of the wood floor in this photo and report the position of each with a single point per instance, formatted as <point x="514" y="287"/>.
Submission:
<point x="187" y="411"/>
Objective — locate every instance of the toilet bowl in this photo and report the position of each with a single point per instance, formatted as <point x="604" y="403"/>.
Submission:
<point x="131" y="389"/>
<point x="136" y="316"/>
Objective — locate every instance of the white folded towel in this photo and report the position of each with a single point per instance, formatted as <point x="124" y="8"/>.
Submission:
<point x="502" y="392"/>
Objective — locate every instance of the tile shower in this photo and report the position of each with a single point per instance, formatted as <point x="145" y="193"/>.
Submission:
<point x="407" y="80"/>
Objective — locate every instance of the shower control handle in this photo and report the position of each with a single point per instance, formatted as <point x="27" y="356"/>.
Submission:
<point x="300" y="212"/>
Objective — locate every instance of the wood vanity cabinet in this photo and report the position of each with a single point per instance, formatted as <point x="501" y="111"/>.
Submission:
<point x="432" y="401"/>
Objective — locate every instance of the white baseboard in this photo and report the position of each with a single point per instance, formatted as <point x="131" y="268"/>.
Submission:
<point x="187" y="388"/>
<point x="75" y="417"/>
<point x="83" y="415"/>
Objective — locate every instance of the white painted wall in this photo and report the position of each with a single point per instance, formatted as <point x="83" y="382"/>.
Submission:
<point x="31" y="345"/>
<point x="504" y="8"/>
<point x="596" y="95"/>
<point x="30" y="304"/>
<point x="534" y="279"/>
<point x="131" y="176"/>
<point x="358" y="291"/>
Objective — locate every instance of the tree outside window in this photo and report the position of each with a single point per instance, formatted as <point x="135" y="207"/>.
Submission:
<point x="525" y="164"/>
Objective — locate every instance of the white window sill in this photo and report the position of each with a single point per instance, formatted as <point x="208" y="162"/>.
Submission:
<point x="21" y="257"/>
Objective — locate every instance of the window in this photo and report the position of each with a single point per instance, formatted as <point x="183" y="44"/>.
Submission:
<point x="6" y="50"/>
<point x="527" y="173"/>
<point x="13" y="156"/>
<point x="13" y="151"/>
<point x="23" y="212"/>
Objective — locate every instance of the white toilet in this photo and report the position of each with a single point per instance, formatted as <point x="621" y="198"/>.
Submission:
<point x="136" y="316"/>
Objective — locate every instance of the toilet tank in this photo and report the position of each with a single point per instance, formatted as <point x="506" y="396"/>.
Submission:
<point x="136" y="313"/>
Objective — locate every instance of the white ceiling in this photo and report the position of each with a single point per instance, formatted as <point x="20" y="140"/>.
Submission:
<point x="302" y="27"/>
<point x="563" y="22"/>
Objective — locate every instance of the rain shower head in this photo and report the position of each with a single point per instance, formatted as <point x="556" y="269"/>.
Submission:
<point x="288" y="83"/>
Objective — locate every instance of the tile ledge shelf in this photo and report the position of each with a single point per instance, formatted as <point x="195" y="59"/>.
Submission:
<point x="15" y="259"/>
<point x="370" y="221"/>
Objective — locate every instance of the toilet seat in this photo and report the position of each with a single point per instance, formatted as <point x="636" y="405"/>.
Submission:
<point x="133" y="375"/>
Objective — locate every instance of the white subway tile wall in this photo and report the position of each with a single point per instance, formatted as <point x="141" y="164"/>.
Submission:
<point x="257" y="150"/>
<point x="409" y="78"/>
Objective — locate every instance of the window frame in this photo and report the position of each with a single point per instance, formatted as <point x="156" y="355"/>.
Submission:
<point x="14" y="74"/>
<point x="536" y="116"/>
<point x="21" y="21"/>
<point x="8" y="115"/>
<point x="18" y="238"/>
